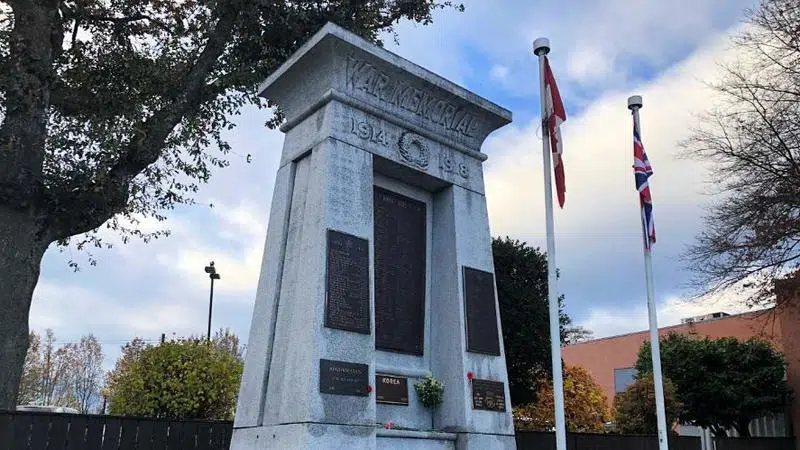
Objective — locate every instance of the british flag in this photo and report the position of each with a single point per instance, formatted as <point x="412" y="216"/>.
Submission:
<point x="642" y="171"/>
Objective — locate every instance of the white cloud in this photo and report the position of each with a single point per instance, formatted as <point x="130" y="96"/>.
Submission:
<point x="587" y="62"/>
<point x="498" y="72"/>
<point x="599" y="44"/>
<point x="598" y="158"/>
<point x="60" y="305"/>
<point x="598" y="234"/>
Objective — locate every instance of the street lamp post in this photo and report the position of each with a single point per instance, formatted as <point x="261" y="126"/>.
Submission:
<point x="213" y="275"/>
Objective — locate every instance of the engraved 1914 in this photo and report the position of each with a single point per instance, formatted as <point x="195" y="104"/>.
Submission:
<point x="368" y="132"/>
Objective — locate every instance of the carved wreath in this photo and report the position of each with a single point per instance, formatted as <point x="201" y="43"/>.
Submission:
<point x="413" y="149"/>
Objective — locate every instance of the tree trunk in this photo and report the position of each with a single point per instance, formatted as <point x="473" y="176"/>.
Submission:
<point x="22" y="251"/>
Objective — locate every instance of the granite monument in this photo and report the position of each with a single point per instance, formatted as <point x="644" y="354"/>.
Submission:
<point x="377" y="268"/>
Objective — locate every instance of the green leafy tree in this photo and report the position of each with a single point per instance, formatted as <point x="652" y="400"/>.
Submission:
<point x="184" y="379"/>
<point x="722" y="383"/>
<point x="111" y="111"/>
<point x="521" y="277"/>
<point x="225" y="340"/>
<point x="635" y="408"/>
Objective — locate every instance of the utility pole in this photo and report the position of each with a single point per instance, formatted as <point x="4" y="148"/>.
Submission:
<point x="213" y="275"/>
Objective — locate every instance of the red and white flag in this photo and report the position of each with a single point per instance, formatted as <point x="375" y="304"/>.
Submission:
<point x="556" y="115"/>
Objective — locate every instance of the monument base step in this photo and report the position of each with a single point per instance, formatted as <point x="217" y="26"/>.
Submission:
<point x="432" y="440"/>
<point x="417" y="440"/>
<point x="319" y="436"/>
<point x="304" y="436"/>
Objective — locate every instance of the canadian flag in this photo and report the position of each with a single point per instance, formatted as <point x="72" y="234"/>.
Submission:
<point x="555" y="116"/>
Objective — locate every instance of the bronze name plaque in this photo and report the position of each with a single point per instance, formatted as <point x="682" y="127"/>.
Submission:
<point x="347" y="296"/>
<point x="482" y="335"/>
<point x="391" y="390"/>
<point x="488" y="395"/>
<point x="343" y="378"/>
<point x="400" y="255"/>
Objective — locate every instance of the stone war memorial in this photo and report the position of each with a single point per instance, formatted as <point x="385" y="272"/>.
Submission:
<point x="377" y="269"/>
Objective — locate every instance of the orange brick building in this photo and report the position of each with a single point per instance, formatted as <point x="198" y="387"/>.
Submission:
<point x="611" y="360"/>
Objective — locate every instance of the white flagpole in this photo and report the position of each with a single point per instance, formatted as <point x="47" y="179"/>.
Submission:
<point x="541" y="47"/>
<point x="634" y="104"/>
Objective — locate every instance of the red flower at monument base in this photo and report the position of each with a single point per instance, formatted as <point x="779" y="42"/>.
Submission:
<point x="369" y="388"/>
<point x="388" y="425"/>
<point x="470" y="376"/>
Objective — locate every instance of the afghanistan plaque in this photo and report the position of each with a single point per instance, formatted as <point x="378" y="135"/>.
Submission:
<point x="343" y="378"/>
<point x="391" y="390"/>
<point x="482" y="335"/>
<point x="400" y="253"/>
<point x="488" y="395"/>
<point x="347" y="292"/>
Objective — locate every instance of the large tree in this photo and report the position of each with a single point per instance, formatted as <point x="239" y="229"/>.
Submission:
<point x="752" y="140"/>
<point x="722" y="383"/>
<point x="521" y="277"/>
<point x="111" y="111"/>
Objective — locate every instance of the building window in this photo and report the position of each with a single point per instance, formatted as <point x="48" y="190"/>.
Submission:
<point x="623" y="378"/>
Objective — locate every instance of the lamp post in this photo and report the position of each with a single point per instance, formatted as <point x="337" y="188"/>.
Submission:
<point x="213" y="275"/>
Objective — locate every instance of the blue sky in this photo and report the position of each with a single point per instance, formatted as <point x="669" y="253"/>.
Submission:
<point x="602" y="52"/>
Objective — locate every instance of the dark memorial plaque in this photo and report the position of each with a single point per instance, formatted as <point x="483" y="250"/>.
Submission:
<point x="347" y="291"/>
<point x="482" y="333"/>
<point x="488" y="395"/>
<point x="343" y="378"/>
<point x="400" y="252"/>
<point x="391" y="390"/>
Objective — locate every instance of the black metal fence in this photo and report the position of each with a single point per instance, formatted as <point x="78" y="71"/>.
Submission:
<point x="763" y="443"/>
<point x="52" y="431"/>
<point x="533" y="440"/>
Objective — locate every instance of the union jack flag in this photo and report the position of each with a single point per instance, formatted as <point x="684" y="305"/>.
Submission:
<point x="642" y="171"/>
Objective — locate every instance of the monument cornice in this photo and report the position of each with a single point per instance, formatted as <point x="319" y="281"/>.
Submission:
<point x="370" y="78"/>
<point x="334" y="94"/>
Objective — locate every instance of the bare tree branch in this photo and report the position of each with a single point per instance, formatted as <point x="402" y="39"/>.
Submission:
<point x="752" y="233"/>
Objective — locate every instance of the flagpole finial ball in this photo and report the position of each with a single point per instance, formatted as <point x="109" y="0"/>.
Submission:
<point x="541" y="46"/>
<point x="634" y="101"/>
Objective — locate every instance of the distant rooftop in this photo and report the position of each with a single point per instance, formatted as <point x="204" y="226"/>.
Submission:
<point x="684" y="322"/>
<point x="705" y="317"/>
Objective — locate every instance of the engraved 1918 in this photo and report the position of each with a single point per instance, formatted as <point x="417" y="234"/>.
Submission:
<point x="367" y="131"/>
<point x="448" y="164"/>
